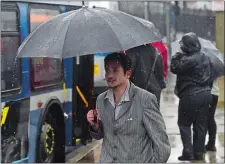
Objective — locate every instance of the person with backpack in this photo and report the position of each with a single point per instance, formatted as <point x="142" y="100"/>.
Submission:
<point x="148" y="69"/>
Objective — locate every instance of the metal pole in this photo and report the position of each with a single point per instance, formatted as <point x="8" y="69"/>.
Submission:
<point x="146" y="14"/>
<point x="78" y="60"/>
<point x="0" y="95"/>
<point x="168" y="36"/>
<point x="168" y="31"/>
<point x="119" y="5"/>
<point x="1" y="83"/>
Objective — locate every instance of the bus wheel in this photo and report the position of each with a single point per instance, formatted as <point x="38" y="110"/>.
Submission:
<point x="47" y="143"/>
<point x="51" y="140"/>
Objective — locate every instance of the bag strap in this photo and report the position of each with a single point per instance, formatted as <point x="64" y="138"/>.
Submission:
<point x="151" y="72"/>
<point x="136" y="66"/>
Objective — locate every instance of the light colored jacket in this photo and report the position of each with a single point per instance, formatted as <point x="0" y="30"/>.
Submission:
<point x="137" y="135"/>
<point x="215" y="88"/>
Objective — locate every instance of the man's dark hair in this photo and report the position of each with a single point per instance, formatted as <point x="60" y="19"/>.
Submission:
<point x="123" y="59"/>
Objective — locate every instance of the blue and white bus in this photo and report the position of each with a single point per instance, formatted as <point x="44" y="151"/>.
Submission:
<point x="44" y="101"/>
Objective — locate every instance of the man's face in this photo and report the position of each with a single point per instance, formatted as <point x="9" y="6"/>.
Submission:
<point x="115" y="75"/>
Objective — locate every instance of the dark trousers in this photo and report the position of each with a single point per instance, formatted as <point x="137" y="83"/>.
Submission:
<point x="157" y="95"/>
<point x="193" y="110"/>
<point x="212" y="128"/>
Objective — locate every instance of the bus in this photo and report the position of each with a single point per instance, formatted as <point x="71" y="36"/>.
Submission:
<point x="44" y="101"/>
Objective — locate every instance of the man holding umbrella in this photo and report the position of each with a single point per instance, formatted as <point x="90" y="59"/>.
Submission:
<point x="128" y="118"/>
<point x="193" y="71"/>
<point x="101" y="31"/>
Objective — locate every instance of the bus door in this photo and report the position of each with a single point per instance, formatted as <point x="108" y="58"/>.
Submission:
<point x="83" y="92"/>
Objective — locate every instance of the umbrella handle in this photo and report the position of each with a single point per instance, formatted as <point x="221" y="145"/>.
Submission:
<point x="95" y="116"/>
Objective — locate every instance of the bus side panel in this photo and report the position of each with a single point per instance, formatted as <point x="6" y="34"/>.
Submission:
<point x="36" y="116"/>
<point x="68" y="78"/>
<point x="33" y="134"/>
<point x="14" y="130"/>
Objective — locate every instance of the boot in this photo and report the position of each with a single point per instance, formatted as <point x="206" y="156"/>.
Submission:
<point x="210" y="148"/>
<point x="186" y="158"/>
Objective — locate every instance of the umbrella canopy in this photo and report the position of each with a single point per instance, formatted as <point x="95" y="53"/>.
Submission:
<point x="88" y="31"/>
<point x="215" y="56"/>
<point x="163" y="51"/>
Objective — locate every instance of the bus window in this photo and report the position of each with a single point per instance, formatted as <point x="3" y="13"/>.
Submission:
<point x="9" y="21"/>
<point x="41" y="13"/>
<point x="44" y="71"/>
<point x="10" y="41"/>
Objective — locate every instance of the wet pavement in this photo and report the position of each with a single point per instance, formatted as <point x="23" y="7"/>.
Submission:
<point x="169" y="104"/>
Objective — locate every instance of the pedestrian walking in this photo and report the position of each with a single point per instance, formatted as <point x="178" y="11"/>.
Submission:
<point x="193" y="71"/>
<point x="212" y="128"/>
<point x="127" y="118"/>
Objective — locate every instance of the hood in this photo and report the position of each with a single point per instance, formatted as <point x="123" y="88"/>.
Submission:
<point x="190" y="43"/>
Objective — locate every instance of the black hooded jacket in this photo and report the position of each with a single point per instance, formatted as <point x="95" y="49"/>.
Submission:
<point x="143" y="58"/>
<point x="192" y="68"/>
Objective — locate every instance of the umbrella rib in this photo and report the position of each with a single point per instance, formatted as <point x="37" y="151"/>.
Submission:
<point x="72" y="15"/>
<point x="109" y="26"/>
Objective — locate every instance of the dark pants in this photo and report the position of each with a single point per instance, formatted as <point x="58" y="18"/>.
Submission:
<point x="193" y="110"/>
<point x="157" y="95"/>
<point x="212" y="128"/>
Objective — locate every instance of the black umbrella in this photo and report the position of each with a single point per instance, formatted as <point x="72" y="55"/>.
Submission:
<point x="88" y="31"/>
